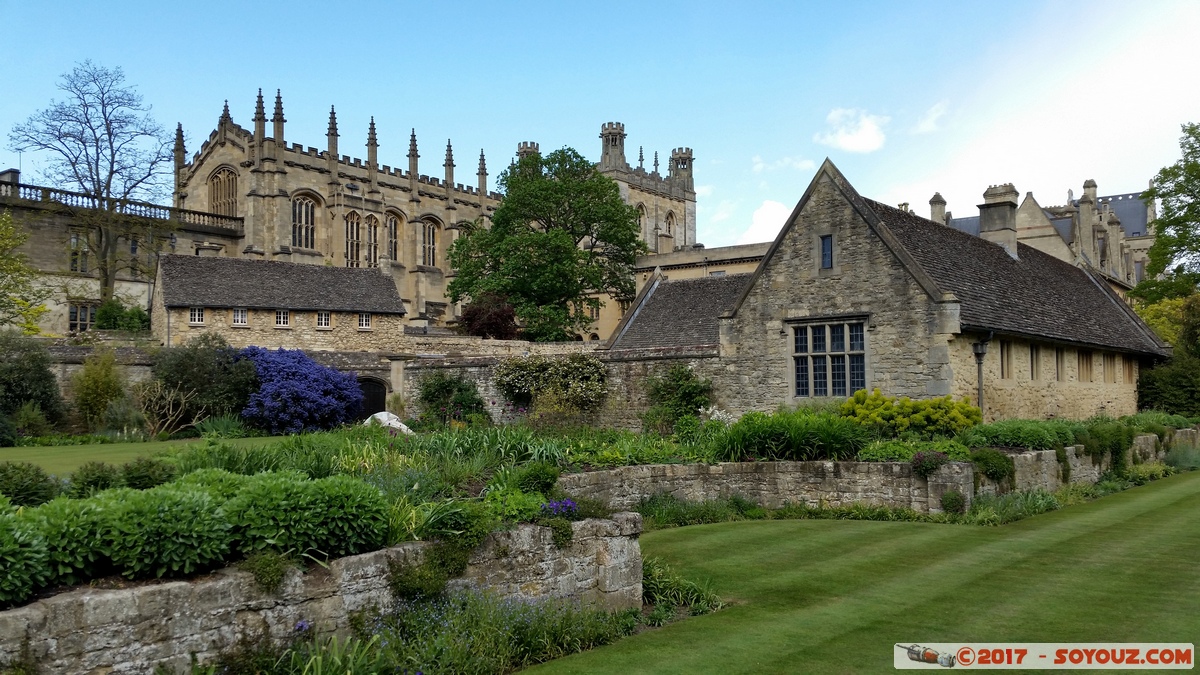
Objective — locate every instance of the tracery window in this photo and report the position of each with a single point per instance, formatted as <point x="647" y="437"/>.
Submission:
<point x="222" y="192"/>
<point x="392" y="222"/>
<point x="372" y="241"/>
<point x="429" y="244"/>
<point x="353" y="238"/>
<point x="304" y="222"/>
<point x="670" y="224"/>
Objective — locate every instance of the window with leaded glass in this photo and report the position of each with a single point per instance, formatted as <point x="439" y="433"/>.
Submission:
<point x="392" y="221"/>
<point x="304" y="222"/>
<point x="81" y="317"/>
<point x="829" y="359"/>
<point x="353" y="237"/>
<point x="372" y="241"/>
<point x="222" y="192"/>
<point x="429" y="245"/>
<point x="79" y="252"/>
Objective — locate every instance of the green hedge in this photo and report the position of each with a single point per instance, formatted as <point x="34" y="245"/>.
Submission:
<point x="204" y="520"/>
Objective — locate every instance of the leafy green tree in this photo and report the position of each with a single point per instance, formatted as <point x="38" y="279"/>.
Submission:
<point x="20" y="297"/>
<point x="1175" y="254"/>
<point x="561" y="235"/>
<point x="222" y="381"/>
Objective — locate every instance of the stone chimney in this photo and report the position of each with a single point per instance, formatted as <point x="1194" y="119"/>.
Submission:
<point x="937" y="208"/>
<point x="998" y="217"/>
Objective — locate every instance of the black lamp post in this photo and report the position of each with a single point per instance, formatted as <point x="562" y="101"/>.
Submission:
<point x="980" y="349"/>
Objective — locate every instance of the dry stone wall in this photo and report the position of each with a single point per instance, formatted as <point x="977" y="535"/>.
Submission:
<point x="135" y="630"/>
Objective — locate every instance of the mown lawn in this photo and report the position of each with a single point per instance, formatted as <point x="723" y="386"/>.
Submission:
<point x="835" y="596"/>
<point x="63" y="459"/>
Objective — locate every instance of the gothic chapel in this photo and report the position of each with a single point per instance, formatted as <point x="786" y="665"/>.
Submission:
<point x="304" y="205"/>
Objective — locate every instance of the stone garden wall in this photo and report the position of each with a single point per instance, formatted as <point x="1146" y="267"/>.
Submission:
<point x="134" y="630"/>
<point x="773" y="484"/>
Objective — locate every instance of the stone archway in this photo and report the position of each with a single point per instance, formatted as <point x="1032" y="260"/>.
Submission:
<point x="374" y="396"/>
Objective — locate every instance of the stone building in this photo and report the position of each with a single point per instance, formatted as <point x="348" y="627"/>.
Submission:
<point x="1109" y="234"/>
<point x="248" y="193"/>
<point x="855" y="294"/>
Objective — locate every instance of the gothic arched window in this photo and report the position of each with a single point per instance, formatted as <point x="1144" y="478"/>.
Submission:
<point x="392" y="223"/>
<point x="429" y="244"/>
<point x="641" y="209"/>
<point x="222" y="192"/>
<point x="304" y="222"/>
<point x="353" y="236"/>
<point x="372" y="241"/>
<point x="670" y="224"/>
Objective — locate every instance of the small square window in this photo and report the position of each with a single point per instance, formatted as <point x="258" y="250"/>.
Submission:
<point x="283" y="318"/>
<point x="827" y="251"/>
<point x="323" y="320"/>
<point x="241" y="317"/>
<point x="196" y="316"/>
<point x="81" y="317"/>
<point x="364" y="321"/>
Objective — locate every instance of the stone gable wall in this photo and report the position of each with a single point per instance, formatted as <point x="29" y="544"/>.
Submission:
<point x="906" y="336"/>
<point x="134" y="630"/>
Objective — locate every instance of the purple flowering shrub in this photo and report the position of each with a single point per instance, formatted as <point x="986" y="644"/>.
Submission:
<point x="565" y="508"/>
<point x="298" y="394"/>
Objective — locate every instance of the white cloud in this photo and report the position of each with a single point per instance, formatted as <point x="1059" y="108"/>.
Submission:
<point x="704" y="191"/>
<point x="761" y="165"/>
<point x="766" y="222"/>
<point x="723" y="211"/>
<point x="853" y="130"/>
<point x="928" y="123"/>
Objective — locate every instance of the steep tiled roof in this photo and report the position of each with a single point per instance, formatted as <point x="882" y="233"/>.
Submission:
<point x="680" y="313"/>
<point x="193" y="281"/>
<point x="1035" y="295"/>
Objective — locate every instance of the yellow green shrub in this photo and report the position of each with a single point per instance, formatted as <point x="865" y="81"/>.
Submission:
<point x="927" y="418"/>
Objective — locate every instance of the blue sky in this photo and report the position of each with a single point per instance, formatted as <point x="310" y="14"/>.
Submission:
<point x="905" y="97"/>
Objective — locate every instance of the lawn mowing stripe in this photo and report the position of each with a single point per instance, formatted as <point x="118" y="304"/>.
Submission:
<point x="1040" y="578"/>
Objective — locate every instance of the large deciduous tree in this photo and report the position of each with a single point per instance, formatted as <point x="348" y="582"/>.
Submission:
<point x="561" y="236"/>
<point x="1175" y="255"/>
<point x="101" y="140"/>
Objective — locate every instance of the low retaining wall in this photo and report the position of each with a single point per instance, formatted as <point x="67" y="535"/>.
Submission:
<point x="772" y="484"/>
<point x="134" y="630"/>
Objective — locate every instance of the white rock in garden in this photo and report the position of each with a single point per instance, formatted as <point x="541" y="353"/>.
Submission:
<point x="388" y="419"/>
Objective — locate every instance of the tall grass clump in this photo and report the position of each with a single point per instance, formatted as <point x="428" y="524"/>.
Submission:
<point x="663" y="586"/>
<point x="792" y="435"/>
<point x="665" y="510"/>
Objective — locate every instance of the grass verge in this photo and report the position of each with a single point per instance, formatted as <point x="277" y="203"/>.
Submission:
<point x="61" y="460"/>
<point x="826" y="596"/>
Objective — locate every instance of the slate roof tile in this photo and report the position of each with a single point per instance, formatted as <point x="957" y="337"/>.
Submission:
<point x="194" y="281"/>
<point x="1037" y="295"/>
<point x="682" y="313"/>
